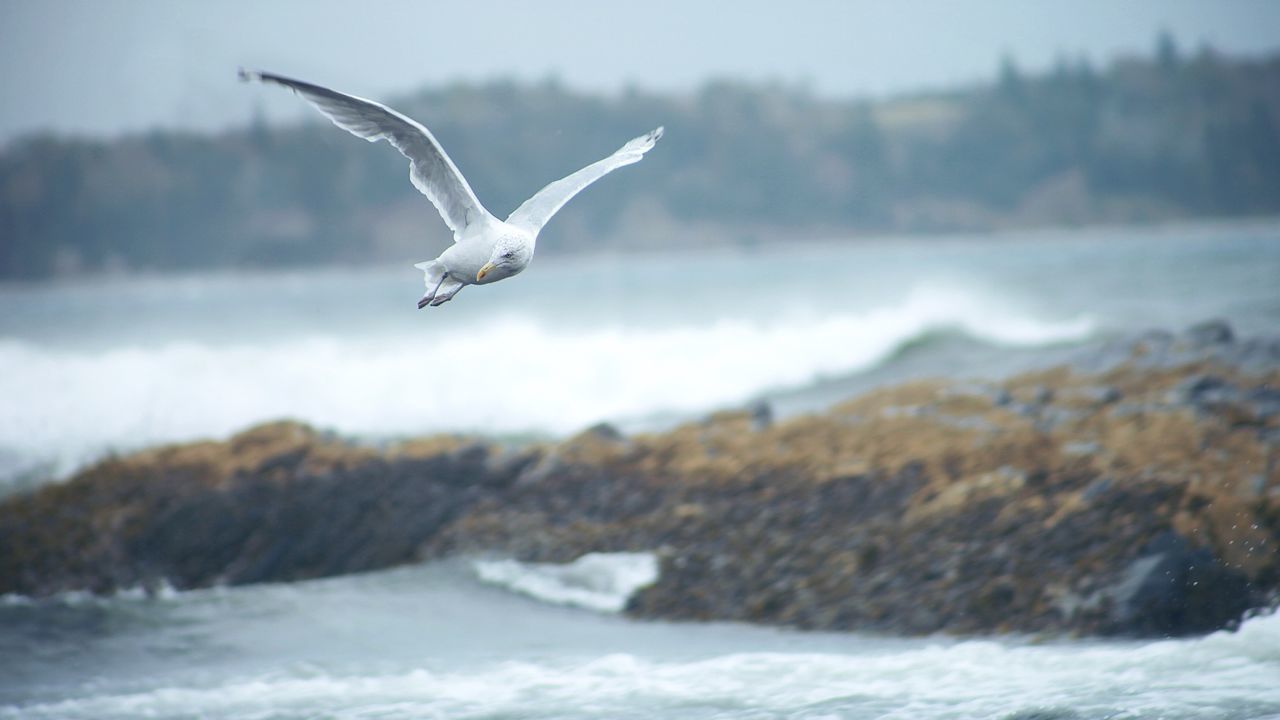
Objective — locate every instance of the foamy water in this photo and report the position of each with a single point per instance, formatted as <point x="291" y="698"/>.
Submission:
<point x="94" y="366"/>
<point x="595" y="581"/>
<point x="117" y="364"/>
<point x="425" y="642"/>
<point x="514" y="375"/>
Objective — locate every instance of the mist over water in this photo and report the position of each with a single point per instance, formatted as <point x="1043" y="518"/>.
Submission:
<point x="117" y="364"/>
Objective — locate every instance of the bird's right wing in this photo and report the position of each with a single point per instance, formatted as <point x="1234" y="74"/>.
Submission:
<point x="430" y="169"/>
<point x="537" y="210"/>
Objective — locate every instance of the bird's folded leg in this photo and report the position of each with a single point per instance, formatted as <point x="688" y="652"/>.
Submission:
<point x="446" y="291"/>
<point x="430" y="269"/>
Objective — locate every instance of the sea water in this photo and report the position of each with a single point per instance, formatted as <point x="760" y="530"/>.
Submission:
<point x="93" y="366"/>
<point x="89" y="367"/>
<point x="436" y="642"/>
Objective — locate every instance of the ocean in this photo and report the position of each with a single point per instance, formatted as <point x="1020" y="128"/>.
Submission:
<point x="90" y="367"/>
<point x="101" y="366"/>
<point x="435" y="642"/>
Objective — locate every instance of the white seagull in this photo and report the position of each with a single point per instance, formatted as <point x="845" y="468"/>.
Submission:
<point x="485" y="249"/>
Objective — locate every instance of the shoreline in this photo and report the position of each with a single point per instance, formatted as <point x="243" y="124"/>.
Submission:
<point x="1064" y="501"/>
<point x="818" y="237"/>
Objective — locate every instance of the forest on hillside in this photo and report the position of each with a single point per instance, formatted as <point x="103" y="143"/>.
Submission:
<point x="1168" y="136"/>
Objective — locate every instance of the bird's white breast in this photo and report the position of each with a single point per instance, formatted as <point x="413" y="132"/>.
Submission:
<point x="465" y="258"/>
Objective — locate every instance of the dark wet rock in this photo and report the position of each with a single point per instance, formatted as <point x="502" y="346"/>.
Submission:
<point x="1101" y="395"/>
<point x="540" y="469"/>
<point x="761" y="415"/>
<point x="1176" y="588"/>
<point x="604" y="432"/>
<point x="501" y="465"/>
<point x="1041" y="395"/>
<point x="544" y="463"/>
<point x="1210" y="332"/>
<point x="1142" y="498"/>
<point x="1205" y="390"/>
<point x="1239" y="404"/>
<point x="279" y="502"/>
<point x="933" y="507"/>
<point x="1096" y="489"/>
<point x="1265" y="401"/>
<point x="1159" y="349"/>
<point x="1256" y="353"/>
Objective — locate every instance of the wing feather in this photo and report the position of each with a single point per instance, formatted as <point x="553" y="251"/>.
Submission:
<point x="537" y="210"/>
<point x="430" y="169"/>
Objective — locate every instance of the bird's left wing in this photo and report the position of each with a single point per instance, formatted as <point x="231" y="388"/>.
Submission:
<point x="537" y="210"/>
<point x="430" y="169"/>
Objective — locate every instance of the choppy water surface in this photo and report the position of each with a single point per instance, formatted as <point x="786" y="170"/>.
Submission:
<point x="93" y="366"/>
<point x="433" y="642"/>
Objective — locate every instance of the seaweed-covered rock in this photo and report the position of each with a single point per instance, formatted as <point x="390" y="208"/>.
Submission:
<point x="1045" y="503"/>
<point x="1132" y="493"/>
<point x="278" y="502"/>
<point x="1175" y="588"/>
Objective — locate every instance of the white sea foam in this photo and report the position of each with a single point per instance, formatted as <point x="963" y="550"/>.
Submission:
<point x="596" y="581"/>
<point x="68" y="405"/>
<point x="163" y="590"/>
<point x="1220" y="676"/>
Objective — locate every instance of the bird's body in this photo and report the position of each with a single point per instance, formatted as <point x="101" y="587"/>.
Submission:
<point x="468" y="255"/>
<point x="462" y="262"/>
<point x="485" y="249"/>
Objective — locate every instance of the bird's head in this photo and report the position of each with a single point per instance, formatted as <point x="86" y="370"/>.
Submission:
<point x="509" y="257"/>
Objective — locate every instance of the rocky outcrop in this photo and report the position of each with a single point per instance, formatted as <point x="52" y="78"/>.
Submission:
<point x="1136" y="491"/>
<point x="278" y="502"/>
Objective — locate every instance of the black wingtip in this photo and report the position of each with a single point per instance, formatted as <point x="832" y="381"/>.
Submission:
<point x="246" y="75"/>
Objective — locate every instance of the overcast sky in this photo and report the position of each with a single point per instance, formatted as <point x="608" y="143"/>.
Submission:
<point x="106" y="66"/>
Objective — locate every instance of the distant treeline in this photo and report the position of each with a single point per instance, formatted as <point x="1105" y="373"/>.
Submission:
<point x="1145" y="139"/>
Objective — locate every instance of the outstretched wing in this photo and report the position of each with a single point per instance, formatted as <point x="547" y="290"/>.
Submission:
<point x="537" y="210"/>
<point x="430" y="169"/>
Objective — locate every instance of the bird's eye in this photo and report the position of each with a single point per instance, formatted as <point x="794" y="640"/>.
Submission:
<point x="507" y="256"/>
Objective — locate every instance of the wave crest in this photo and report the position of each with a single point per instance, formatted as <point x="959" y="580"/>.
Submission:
<point x="1188" y="679"/>
<point x="508" y="375"/>
<point x="595" y="581"/>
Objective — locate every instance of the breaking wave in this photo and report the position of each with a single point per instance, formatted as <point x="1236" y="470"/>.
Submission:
<point x="505" y="376"/>
<point x="1222" y="675"/>
<point x="596" y="581"/>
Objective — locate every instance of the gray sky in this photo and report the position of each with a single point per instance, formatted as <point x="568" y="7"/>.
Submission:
<point x="106" y="66"/>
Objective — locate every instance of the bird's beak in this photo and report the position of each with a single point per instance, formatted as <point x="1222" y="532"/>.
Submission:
<point x="484" y="271"/>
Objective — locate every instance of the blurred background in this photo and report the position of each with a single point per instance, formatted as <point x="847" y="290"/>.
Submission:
<point x="130" y="147"/>
<point x="183" y="255"/>
<point x="848" y="195"/>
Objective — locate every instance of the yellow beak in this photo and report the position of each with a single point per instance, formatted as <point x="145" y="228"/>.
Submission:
<point x="484" y="271"/>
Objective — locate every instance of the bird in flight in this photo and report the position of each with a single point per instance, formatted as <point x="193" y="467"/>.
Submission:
<point x="485" y="249"/>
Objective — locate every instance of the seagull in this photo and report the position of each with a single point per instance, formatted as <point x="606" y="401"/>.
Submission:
<point x="485" y="249"/>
